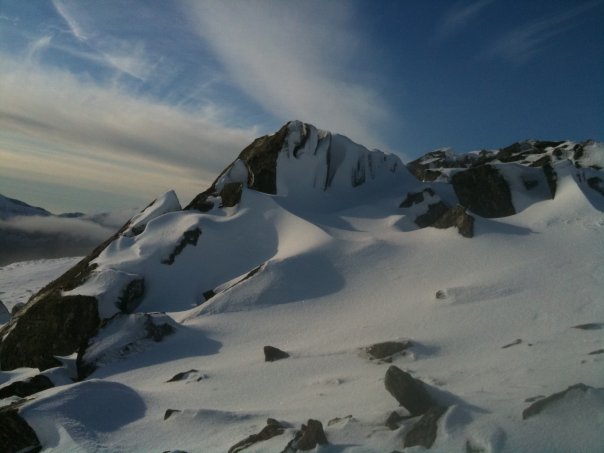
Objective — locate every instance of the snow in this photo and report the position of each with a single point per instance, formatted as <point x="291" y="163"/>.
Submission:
<point x="330" y="282"/>
<point x="168" y="202"/>
<point x="19" y="281"/>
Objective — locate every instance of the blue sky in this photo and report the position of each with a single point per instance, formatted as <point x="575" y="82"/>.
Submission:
<point x="109" y="104"/>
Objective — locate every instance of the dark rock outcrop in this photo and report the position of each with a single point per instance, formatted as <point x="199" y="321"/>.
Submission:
<point x="459" y="218"/>
<point x="54" y="325"/>
<point x="231" y="194"/>
<point x="182" y="375"/>
<point x="424" y="431"/>
<point x="394" y="420"/>
<point x="590" y="326"/>
<point x="312" y="435"/>
<point x="131" y="296"/>
<point x="272" y="429"/>
<point x="539" y="405"/>
<point x="188" y="238"/>
<point x="15" y="434"/>
<point x="416" y="198"/>
<point x="27" y="387"/>
<point x="596" y="184"/>
<point x="484" y="191"/>
<point x="272" y="354"/>
<point x="170" y="412"/>
<point x="408" y="391"/>
<point x="387" y="349"/>
<point x="309" y="436"/>
<point x="430" y="217"/>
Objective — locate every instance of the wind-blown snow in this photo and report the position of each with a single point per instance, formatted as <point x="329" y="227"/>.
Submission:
<point x="323" y="283"/>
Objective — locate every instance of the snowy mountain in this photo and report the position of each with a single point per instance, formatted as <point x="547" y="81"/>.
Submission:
<point x="10" y="207"/>
<point x="28" y="233"/>
<point x="320" y="296"/>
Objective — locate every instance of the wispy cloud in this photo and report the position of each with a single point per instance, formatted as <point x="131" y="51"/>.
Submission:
<point x="59" y="127"/>
<point x="296" y="60"/>
<point x="459" y="16"/>
<point x="521" y="44"/>
<point x="125" y="56"/>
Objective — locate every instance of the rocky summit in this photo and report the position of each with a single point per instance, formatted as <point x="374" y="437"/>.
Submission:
<point x="430" y="304"/>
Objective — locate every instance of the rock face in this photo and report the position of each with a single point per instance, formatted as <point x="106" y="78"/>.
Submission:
<point x="15" y="434"/>
<point x="189" y="238"/>
<point x="459" y="218"/>
<point x="52" y="324"/>
<point x="271" y="354"/>
<point x="25" y="388"/>
<point x="408" y="391"/>
<point x="56" y="325"/>
<point x="483" y="191"/>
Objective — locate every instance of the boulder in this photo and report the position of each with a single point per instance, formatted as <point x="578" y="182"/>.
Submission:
<point x="408" y="391"/>
<point x="430" y="217"/>
<point x="27" y="387"/>
<point x="387" y="349"/>
<point x="484" y="191"/>
<point x="416" y="198"/>
<point x="312" y="435"/>
<point x="15" y="434"/>
<point x="272" y="354"/>
<point x="424" y="431"/>
<point x="272" y="429"/>
<point x="55" y="325"/>
<point x="456" y="217"/>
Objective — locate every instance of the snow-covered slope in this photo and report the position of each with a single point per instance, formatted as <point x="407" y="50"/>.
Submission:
<point x="279" y="253"/>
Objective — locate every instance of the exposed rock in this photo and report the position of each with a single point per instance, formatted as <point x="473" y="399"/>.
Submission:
<point x="336" y="420"/>
<point x="272" y="354"/>
<point x="4" y="313"/>
<point x="540" y="405"/>
<point x="184" y="375"/>
<point x="207" y="295"/>
<point x="430" y="217"/>
<point x="27" y="387"/>
<point x="596" y="184"/>
<point x="441" y="294"/>
<point x="513" y="343"/>
<point x="312" y="435"/>
<point x="416" y="198"/>
<point x="231" y="194"/>
<point x="261" y="160"/>
<point x="394" y="420"/>
<point x="131" y="296"/>
<point x="170" y="412"/>
<point x="590" y="326"/>
<point x="387" y="349"/>
<point x="17" y="308"/>
<point x="272" y="429"/>
<point x="551" y="177"/>
<point x="596" y="352"/>
<point x="457" y="217"/>
<point x="15" y="434"/>
<point x="180" y="376"/>
<point x="423" y="432"/>
<point x="157" y="332"/>
<point x="189" y="237"/>
<point x="484" y="191"/>
<point x="408" y="391"/>
<point x="53" y="326"/>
